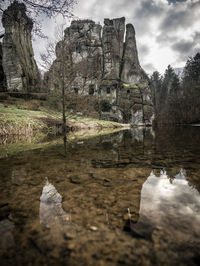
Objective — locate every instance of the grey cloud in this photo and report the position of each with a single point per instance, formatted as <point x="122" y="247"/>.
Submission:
<point x="177" y="17"/>
<point x="143" y="49"/>
<point x="149" y="68"/>
<point x="186" y="48"/>
<point x="175" y="1"/>
<point x="166" y="39"/>
<point x="183" y="46"/>
<point x="197" y="37"/>
<point x="147" y="10"/>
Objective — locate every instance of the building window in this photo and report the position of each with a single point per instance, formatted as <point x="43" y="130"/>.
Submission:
<point x="108" y="90"/>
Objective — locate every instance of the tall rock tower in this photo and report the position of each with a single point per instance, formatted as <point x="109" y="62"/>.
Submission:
<point x="131" y="70"/>
<point x="112" y="41"/>
<point x="100" y="63"/>
<point x="19" y="65"/>
<point x="79" y="56"/>
<point x="125" y="86"/>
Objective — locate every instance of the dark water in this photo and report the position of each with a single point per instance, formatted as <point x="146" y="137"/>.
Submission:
<point x="130" y="198"/>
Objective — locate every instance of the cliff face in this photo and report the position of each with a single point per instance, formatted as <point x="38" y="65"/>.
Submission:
<point x="79" y="56"/>
<point x="127" y="87"/>
<point x="103" y="65"/>
<point x="2" y="75"/>
<point x="112" y="41"/>
<point x="18" y="59"/>
<point x="131" y="70"/>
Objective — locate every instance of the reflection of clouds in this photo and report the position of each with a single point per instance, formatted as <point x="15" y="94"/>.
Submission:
<point x="181" y="175"/>
<point x="54" y="219"/>
<point x="168" y="203"/>
<point x="51" y="211"/>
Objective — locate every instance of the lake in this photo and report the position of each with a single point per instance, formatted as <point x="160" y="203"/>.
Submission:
<point x="126" y="198"/>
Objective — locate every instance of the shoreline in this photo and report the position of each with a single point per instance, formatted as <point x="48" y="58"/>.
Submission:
<point x="18" y="121"/>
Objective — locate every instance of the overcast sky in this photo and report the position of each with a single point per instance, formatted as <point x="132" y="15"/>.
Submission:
<point x="167" y="31"/>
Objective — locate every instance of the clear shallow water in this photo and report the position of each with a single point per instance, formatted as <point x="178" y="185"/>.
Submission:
<point x="127" y="198"/>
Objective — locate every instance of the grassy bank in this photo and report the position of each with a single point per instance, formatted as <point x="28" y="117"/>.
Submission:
<point x="27" y="118"/>
<point x="14" y="145"/>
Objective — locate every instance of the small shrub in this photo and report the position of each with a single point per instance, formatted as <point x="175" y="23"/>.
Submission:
<point x="54" y="101"/>
<point x="105" y="106"/>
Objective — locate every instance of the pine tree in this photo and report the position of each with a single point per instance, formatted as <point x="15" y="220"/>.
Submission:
<point x="191" y="72"/>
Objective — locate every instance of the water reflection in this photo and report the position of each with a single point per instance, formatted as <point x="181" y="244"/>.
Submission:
<point x="78" y="214"/>
<point x="6" y="233"/>
<point x="52" y="216"/>
<point x="169" y="203"/>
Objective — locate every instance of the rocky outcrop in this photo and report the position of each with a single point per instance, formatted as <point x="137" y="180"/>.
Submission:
<point x="112" y="41"/>
<point x="125" y="86"/>
<point x="79" y="56"/>
<point x="2" y="75"/>
<point x="18" y="59"/>
<point x="131" y="70"/>
<point x="106" y="67"/>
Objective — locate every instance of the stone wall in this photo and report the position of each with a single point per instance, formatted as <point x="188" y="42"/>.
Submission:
<point x="19" y="65"/>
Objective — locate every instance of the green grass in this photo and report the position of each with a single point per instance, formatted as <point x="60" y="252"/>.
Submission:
<point x="19" y="117"/>
<point x="10" y="115"/>
<point x="19" y="120"/>
<point x="37" y="142"/>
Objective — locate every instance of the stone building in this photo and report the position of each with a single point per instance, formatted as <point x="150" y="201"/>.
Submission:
<point x="98" y="62"/>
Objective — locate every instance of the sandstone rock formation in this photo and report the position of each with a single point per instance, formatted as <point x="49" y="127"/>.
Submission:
<point x="113" y="41"/>
<point x="106" y="67"/>
<point x="18" y="59"/>
<point x="79" y="56"/>
<point x="131" y="70"/>
<point x="2" y="75"/>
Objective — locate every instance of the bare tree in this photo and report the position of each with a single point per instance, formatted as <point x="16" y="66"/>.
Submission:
<point x="65" y="71"/>
<point x="40" y="8"/>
